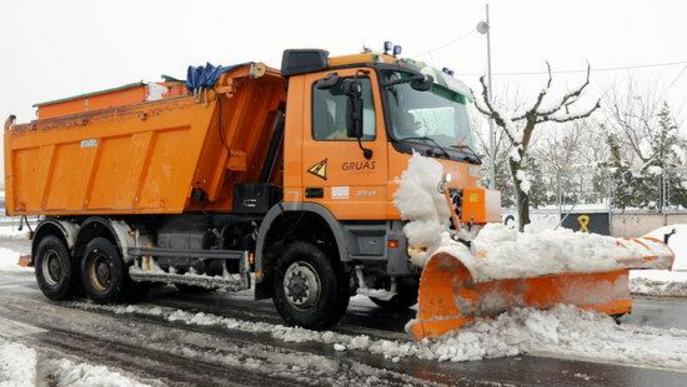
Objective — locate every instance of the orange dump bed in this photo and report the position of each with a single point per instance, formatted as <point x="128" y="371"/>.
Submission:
<point x="135" y="156"/>
<point x="132" y="93"/>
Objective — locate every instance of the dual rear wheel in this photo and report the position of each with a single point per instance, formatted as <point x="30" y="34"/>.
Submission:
<point x="100" y="273"/>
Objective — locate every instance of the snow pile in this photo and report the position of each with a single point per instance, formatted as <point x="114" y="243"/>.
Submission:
<point x="542" y="222"/>
<point x="13" y="233"/>
<point x="499" y="252"/>
<point x="568" y="332"/>
<point x="68" y="373"/>
<point x="419" y="201"/>
<point x="511" y="254"/>
<point x="658" y="283"/>
<point x="9" y="259"/>
<point x="17" y="365"/>
<point x="563" y="331"/>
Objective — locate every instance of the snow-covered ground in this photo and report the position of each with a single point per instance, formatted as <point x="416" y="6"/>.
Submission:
<point x="660" y="283"/>
<point x="19" y="364"/>
<point x="11" y="232"/>
<point x="563" y="331"/>
<point x="69" y="373"/>
<point x="9" y="259"/>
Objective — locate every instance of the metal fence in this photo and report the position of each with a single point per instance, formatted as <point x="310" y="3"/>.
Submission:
<point x="603" y="189"/>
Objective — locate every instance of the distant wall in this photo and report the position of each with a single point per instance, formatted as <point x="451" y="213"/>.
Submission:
<point x="631" y="225"/>
<point x="622" y="224"/>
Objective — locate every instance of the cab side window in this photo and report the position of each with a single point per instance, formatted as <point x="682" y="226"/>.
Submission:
<point x="329" y="113"/>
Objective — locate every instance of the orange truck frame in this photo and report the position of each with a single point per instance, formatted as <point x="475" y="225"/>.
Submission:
<point x="286" y="175"/>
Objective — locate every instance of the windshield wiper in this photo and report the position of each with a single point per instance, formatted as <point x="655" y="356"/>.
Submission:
<point x="428" y="140"/>
<point x="477" y="159"/>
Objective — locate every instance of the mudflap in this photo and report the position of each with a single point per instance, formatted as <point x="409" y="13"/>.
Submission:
<point x="450" y="298"/>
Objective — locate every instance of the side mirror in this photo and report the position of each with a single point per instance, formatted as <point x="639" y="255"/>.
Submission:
<point x="353" y="90"/>
<point x="328" y="82"/>
<point x="423" y="84"/>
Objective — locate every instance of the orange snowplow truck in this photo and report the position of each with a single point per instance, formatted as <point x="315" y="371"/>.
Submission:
<point x="240" y="173"/>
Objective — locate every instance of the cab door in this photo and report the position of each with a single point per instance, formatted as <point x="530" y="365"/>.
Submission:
<point x="335" y="173"/>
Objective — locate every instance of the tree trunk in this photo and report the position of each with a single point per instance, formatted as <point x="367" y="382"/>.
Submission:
<point x="522" y="199"/>
<point x="523" y="202"/>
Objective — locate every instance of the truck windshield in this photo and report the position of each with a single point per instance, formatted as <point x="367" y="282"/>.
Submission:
<point x="439" y="114"/>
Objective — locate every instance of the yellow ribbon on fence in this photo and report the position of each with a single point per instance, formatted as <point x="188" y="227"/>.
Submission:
<point x="583" y="220"/>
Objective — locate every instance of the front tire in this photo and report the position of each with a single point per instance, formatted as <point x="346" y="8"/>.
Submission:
<point x="102" y="272"/>
<point x="56" y="274"/>
<point x="310" y="290"/>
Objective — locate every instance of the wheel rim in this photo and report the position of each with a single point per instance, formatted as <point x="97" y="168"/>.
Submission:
<point x="99" y="271"/>
<point x="52" y="268"/>
<point x="302" y="285"/>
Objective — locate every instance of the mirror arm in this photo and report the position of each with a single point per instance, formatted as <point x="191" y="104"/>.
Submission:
<point x="367" y="152"/>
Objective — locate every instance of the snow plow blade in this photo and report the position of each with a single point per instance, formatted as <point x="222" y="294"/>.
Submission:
<point x="25" y="261"/>
<point x="450" y="297"/>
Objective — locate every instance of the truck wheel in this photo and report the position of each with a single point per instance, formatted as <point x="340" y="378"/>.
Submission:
<point x="56" y="274"/>
<point x="309" y="291"/>
<point x="102" y="272"/>
<point x="405" y="298"/>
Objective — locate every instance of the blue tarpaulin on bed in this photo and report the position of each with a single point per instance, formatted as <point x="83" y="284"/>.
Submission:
<point x="206" y="76"/>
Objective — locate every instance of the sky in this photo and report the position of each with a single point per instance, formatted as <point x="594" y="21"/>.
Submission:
<point x="54" y="49"/>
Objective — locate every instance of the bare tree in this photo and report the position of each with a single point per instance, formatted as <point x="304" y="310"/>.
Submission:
<point x="633" y="114"/>
<point x="520" y="129"/>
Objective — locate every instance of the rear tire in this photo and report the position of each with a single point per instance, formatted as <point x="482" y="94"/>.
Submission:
<point x="310" y="290"/>
<point x="405" y="297"/>
<point x="103" y="273"/>
<point x="56" y="274"/>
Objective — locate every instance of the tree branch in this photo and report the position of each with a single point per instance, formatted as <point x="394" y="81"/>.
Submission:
<point x="572" y="117"/>
<point x="540" y="97"/>
<point x="569" y="98"/>
<point x="491" y="112"/>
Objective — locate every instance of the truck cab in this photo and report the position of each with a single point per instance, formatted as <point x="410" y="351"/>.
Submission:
<point x="352" y="124"/>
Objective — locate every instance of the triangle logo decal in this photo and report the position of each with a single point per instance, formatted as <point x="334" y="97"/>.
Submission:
<point x="319" y="169"/>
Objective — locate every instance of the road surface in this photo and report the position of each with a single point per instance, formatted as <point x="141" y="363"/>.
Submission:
<point x="159" y="352"/>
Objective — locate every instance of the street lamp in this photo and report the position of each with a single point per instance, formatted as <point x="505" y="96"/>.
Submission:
<point x="484" y="28"/>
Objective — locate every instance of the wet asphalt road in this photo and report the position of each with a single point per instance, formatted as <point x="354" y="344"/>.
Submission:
<point x="160" y="352"/>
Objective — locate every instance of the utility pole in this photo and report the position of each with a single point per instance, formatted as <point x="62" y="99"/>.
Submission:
<point x="483" y="28"/>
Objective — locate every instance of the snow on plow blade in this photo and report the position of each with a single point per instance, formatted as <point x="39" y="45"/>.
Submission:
<point x="451" y="296"/>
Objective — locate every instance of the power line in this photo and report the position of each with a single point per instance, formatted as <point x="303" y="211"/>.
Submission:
<point x="676" y="78"/>
<point x="465" y="35"/>
<point x="616" y="68"/>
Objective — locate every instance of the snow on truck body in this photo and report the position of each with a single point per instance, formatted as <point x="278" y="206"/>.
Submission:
<point x="289" y="174"/>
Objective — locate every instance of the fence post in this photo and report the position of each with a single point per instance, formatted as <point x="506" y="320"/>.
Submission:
<point x="559" y="195"/>
<point x="609" y="200"/>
